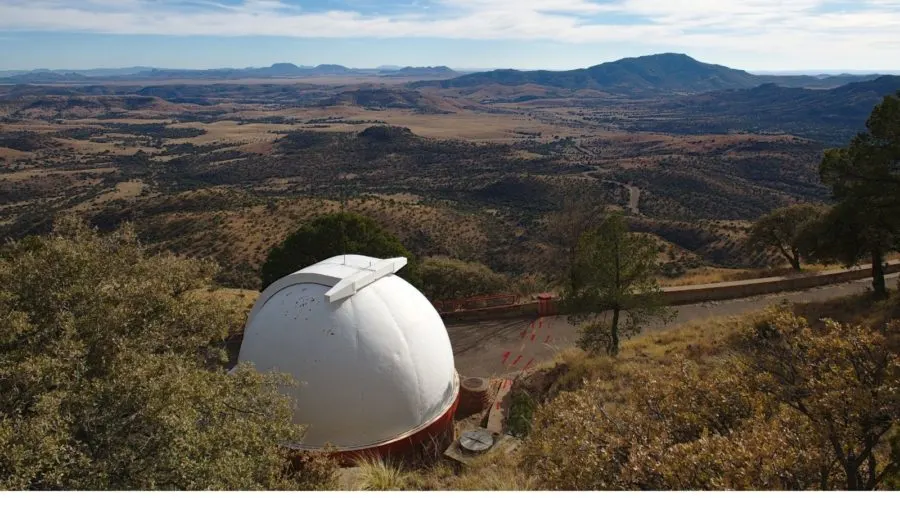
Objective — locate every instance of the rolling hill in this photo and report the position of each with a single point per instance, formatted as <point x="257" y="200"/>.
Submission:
<point x="667" y="72"/>
<point x="831" y="116"/>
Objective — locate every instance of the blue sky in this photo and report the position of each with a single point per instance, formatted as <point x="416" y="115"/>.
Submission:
<point x="550" y="34"/>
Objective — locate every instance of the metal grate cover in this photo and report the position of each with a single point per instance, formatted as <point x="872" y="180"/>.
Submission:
<point x="476" y="441"/>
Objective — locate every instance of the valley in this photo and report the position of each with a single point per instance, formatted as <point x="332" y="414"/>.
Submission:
<point x="467" y="168"/>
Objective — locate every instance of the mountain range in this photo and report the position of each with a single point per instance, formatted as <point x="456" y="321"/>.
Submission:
<point x="278" y="70"/>
<point x="640" y="76"/>
<point x="659" y="73"/>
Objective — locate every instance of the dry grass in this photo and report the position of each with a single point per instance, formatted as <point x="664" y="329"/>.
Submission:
<point x="709" y="275"/>
<point x="496" y="471"/>
<point x="232" y="131"/>
<point x="378" y="475"/>
<point x="704" y="342"/>
<point x="247" y="235"/>
<point x="27" y="174"/>
<point x="853" y="310"/>
<point x="13" y="155"/>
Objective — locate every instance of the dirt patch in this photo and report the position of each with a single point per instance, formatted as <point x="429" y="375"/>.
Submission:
<point x="12" y="154"/>
<point x="122" y="191"/>
<point x="28" y="174"/>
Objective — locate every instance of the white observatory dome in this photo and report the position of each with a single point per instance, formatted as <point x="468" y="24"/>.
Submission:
<point x="370" y="352"/>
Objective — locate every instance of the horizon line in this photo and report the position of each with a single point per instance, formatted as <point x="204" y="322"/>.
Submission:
<point x="390" y="67"/>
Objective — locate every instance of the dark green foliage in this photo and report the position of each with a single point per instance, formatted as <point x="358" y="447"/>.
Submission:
<point x="864" y="178"/>
<point x="521" y="413"/>
<point x="25" y="141"/>
<point x="446" y="278"/>
<point x="333" y="235"/>
<point x="111" y="375"/>
<point x="614" y="274"/>
<point x="782" y="231"/>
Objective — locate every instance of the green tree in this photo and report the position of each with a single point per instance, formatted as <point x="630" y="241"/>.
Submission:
<point x="447" y="278"/>
<point x="848" y="233"/>
<point x="782" y="231"/>
<point x="865" y="180"/>
<point x="579" y="213"/>
<point x="614" y="274"/>
<point x="332" y="235"/>
<point x="112" y="377"/>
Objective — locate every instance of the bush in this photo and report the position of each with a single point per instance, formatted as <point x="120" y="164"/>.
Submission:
<point x="446" y="278"/>
<point x="678" y="429"/>
<point x="330" y="236"/>
<point x="521" y="413"/>
<point x="111" y="375"/>
<point x="787" y="408"/>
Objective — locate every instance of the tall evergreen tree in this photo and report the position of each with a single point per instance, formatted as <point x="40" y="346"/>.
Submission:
<point x="865" y="181"/>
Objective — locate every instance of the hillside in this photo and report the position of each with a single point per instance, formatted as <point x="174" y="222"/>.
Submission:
<point x="384" y="98"/>
<point x="830" y="116"/>
<point x="666" y="72"/>
<point x="484" y="174"/>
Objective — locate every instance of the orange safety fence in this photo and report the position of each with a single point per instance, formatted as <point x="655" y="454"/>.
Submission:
<point x="480" y="302"/>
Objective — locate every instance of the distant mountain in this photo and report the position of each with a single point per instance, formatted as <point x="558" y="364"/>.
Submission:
<point x="42" y="76"/>
<point x="85" y="72"/>
<point x="273" y="71"/>
<point x="332" y="70"/>
<point x="440" y="72"/>
<point x="831" y="116"/>
<point x="276" y="70"/>
<point x="641" y="76"/>
<point x="660" y="73"/>
<point x="282" y="68"/>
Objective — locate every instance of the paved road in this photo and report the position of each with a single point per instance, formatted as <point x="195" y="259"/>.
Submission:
<point x="505" y="347"/>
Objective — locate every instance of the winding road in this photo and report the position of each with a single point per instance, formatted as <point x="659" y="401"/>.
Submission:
<point x="634" y="193"/>
<point x="505" y="347"/>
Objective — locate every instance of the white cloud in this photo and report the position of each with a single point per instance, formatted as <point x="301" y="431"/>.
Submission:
<point x="805" y="30"/>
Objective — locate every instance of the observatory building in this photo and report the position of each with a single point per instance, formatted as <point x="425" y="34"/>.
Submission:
<point x="370" y="353"/>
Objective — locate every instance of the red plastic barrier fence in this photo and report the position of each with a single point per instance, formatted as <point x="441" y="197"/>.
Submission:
<point x="484" y="301"/>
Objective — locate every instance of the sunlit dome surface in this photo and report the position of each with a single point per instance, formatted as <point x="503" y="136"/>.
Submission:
<point x="371" y="352"/>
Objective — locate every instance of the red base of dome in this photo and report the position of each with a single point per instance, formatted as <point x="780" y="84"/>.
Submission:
<point x="428" y="442"/>
<point x="439" y="434"/>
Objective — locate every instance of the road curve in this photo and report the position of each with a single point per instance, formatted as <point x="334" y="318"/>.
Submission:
<point x="501" y="347"/>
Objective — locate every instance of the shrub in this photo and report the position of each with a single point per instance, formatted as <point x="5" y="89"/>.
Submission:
<point x="789" y="408"/>
<point x="446" y="278"/>
<point x="332" y="235"/>
<point x="111" y="375"/>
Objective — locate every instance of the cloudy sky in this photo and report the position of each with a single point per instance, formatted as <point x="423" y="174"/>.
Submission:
<point x="550" y="34"/>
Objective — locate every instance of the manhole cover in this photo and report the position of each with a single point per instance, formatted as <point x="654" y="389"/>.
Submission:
<point x="476" y="441"/>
